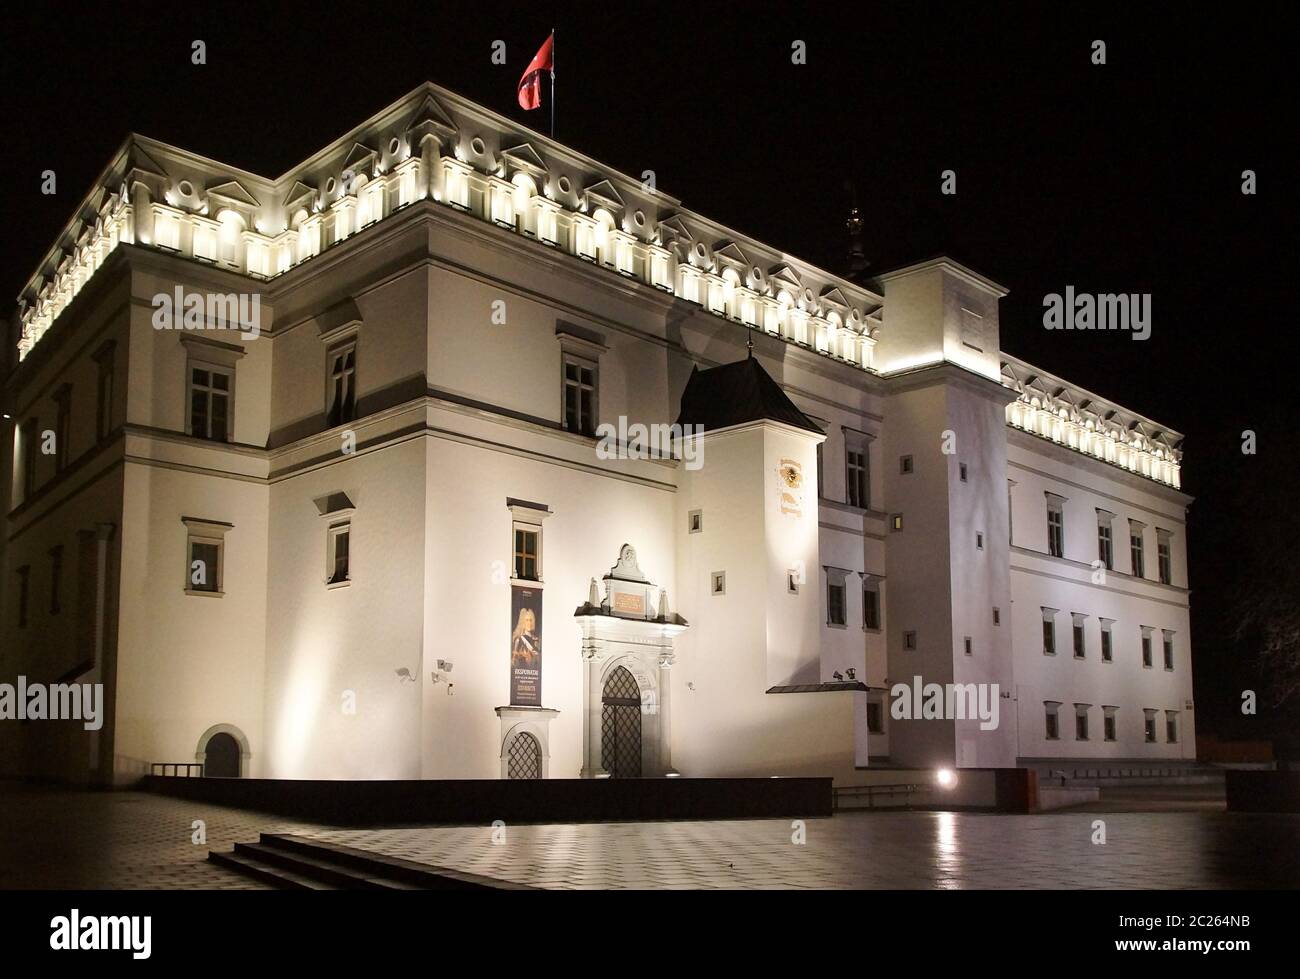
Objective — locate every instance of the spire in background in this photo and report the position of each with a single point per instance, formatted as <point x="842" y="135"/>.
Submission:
<point x="857" y="257"/>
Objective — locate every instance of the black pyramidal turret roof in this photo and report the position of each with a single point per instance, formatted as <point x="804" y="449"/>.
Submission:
<point x="733" y="394"/>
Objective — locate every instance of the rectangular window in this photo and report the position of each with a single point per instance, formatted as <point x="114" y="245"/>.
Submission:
<point x="205" y="565"/>
<point x="1055" y="528"/>
<point x="855" y="477"/>
<point x="1149" y="725"/>
<point x="1171" y="726"/>
<point x="210" y="394"/>
<point x="695" y="522"/>
<point x="1168" y="638"/>
<point x="1106" y="647"/>
<point x="1108" y="723"/>
<point x="338" y="552"/>
<point x="909" y="640"/>
<point x="62" y="426"/>
<point x="821" y="470"/>
<point x="1080" y="646"/>
<point x="1049" y="632"/>
<point x="1146" y="647"/>
<point x="205" y="555"/>
<point x="1053" y="722"/>
<point x="56" y="578"/>
<point x="579" y="395"/>
<point x="1081" y="722"/>
<point x="905" y="465"/>
<point x="997" y="616"/>
<point x="967" y="646"/>
<point x="961" y="468"/>
<point x="719" y="579"/>
<point x="527" y="565"/>
<point x="979" y="541"/>
<point x="1164" y="557"/>
<point x="104" y="392"/>
<point x="875" y="717"/>
<point x="27" y="445"/>
<point x="342" y="361"/>
<point x="835" y="602"/>
<point x="871" y="608"/>
<point x="24" y="586"/>
<point x="1105" y="548"/>
<point x="1136" y="554"/>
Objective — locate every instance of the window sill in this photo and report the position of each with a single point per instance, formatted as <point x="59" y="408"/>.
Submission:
<point x="526" y="581"/>
<point x="331" y="585"/>
<point x="204" y="593"/>
<point x="836" y="625"/>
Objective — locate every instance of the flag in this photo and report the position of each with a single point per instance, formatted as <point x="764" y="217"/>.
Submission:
<point x="530" y="86"/>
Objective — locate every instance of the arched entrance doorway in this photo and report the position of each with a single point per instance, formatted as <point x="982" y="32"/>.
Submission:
<point x="620" y="725"/>
<point x="222" y="757"/>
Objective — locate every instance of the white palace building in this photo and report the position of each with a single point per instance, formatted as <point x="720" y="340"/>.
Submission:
<point x="344" y="474"/>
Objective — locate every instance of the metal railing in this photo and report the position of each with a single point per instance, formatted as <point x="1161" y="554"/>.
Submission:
<point x="177" y="769"/>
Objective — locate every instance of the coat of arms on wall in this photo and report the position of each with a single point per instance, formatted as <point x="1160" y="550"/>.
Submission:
<point x="790" y="487"/>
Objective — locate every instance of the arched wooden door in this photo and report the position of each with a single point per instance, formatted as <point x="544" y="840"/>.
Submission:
<point x="620" y="725"/>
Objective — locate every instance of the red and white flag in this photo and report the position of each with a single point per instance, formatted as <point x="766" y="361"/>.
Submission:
<point x="530" y="86"/>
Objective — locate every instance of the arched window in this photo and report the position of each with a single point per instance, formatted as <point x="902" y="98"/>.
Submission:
<point x="524" y="757"/>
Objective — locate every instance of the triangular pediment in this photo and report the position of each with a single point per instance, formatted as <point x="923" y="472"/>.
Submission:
<point x="730" y="252"/>
<point x="835" y="296"/>
<point x="431" y="114"/>
<point x="676" y="229"/>
<point x="605" y="193"/>
<point x="783" y="274"/>
<point x="525" y="158"/>
<point x="360" y="156"/>
<point x="297" y="192"/>
<point x="233" y="190"/>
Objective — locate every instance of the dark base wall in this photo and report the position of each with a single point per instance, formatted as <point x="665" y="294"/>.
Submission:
<point x="1263" y="791"/>
<point x="375" y="803"/>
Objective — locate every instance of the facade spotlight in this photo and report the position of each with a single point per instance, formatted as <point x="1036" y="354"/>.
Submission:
<point x="946" y="778"/>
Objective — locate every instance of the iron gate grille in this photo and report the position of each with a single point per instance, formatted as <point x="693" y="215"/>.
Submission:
<point x="524" y="757"/>
<point x="620" y="726"/>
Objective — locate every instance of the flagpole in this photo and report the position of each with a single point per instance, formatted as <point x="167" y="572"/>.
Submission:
<point x="552" y="83"/>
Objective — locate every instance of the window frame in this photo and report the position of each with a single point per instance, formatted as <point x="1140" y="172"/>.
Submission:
<point x="569" y="359"/>
<point x="1055" y="525"/>
<point x="1051" y="720"/>
<point x="207" y="533"/>
<point x="523" y="527"/>
<point x="338" y="351"/>
<point x="103" y="357"/>
<point x="1164" y="557"/>
<point x="213" y="370"/>
<point x="1082" y="722"/>
<point x="335" y="530"/>
<point x="872" y="623"/>
<point x="62" y="426"/>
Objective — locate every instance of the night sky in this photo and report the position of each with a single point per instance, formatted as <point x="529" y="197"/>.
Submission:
<point x="1117" y="178"/>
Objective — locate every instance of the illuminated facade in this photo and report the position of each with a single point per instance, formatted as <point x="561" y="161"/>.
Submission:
<point x="392" y="490"/>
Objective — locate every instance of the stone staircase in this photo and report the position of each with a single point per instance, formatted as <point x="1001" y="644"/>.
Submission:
<point x="298" y="863"/>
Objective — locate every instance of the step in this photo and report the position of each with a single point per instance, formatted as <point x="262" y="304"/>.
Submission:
<point x="266" y="873"/>
<point x="381" y="866"/>
<point x="320" y="867"/>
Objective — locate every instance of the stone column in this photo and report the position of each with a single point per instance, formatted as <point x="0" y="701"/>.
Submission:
<point x="665" y="713"/>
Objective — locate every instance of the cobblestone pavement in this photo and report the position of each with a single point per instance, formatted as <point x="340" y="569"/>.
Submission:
<point x="66" y="839"/>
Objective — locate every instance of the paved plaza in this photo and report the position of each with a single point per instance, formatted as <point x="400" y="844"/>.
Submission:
<point x="56" y="838"/>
